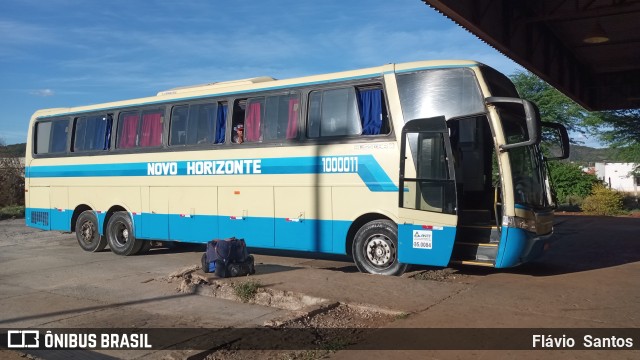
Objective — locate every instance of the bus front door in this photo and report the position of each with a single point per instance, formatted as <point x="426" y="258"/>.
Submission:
<point x="427" y="194"/>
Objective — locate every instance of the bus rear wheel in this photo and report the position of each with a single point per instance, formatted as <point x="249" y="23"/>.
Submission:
<point x="375" y="249"/>
<point x="87" y="233"/>
<point x="122" y="241"/>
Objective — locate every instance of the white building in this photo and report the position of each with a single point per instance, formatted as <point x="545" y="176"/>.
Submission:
<point x="619" y="176"/>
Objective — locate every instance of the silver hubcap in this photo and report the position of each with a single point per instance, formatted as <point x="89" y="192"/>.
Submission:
<point x="379" y="250"/>
<point x="122" y="234"/>
<point x="87" y="231"/>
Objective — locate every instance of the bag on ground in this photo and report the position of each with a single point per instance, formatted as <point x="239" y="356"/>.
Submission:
<point x="227" y="258"/>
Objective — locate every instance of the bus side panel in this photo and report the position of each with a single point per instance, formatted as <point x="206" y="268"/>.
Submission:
<point x="351" y="202"/>
<point x="303" y="218"/>
<point x="60" y="213"/>
<point x="193" y="214"/>
<point x="155" y="223"/>
<point x="425" y="245"/>
<point x="38" y="212"/>
<point x="247" y="213"/>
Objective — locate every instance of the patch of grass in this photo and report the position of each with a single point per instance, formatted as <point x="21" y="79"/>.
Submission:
<point x="246" y="290"/>
<point x="402" y="316"/>
<point x="14" y="211"/>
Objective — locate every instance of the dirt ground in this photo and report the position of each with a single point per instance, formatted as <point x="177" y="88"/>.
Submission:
<point x="324" y="334"/>
<point x="587" y="280"/>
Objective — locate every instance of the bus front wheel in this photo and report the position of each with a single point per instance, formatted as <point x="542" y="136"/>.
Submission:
<point x="87" y="233"/>
<point x="122" y="241"/>
<point x="375" y="249"/>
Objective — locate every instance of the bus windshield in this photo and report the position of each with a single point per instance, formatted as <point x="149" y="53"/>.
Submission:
<point x="528" y="169"/>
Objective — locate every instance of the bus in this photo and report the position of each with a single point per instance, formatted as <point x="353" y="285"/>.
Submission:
<point x="426" y="163"/>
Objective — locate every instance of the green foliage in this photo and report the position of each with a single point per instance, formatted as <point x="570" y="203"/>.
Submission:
<point x="11" y="181"/>
<point x="553" y="105"/>
<point x="246" y="290"/>
<point x="621" y="130"/>
<point x="603" y="201"/>
<point x="569" y="181"/>
<point x="9" y="212"/>
<point x="631" y="202"/>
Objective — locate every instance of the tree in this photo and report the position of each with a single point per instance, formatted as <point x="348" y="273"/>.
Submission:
<point x="570" y="181"/>
<point x="620" y="130"/>
<point x="553" y="105"/>
<point x="11" y="181"/>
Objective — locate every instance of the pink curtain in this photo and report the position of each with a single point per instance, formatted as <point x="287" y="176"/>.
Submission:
<point x="129" y="129"/>
<point x="151" y="130"/>
<point x="292" y="125"/>
<point x="252" y="122"/>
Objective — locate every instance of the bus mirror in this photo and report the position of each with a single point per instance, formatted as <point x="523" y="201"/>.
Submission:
<point x="558" y="137"/>
<point x="531" y="118"/>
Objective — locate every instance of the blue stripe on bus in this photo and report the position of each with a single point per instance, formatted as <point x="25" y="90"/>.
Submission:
<point x="369" y="170"/>
<point x="327" y="236"/>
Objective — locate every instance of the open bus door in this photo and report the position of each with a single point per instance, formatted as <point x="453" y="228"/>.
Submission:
<point x="427" y="194"/>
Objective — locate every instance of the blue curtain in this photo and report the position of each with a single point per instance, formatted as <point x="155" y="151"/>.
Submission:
<point x="96" y="134"/>
<point x="58" y="142"/>
<point x="222" y="123"/>
<point x="370" y="102"/>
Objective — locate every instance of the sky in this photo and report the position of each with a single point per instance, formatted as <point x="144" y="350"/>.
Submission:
<point x="61" y="53"/>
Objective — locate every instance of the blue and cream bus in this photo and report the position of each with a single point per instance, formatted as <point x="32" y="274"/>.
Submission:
<point x="432" y="163"/>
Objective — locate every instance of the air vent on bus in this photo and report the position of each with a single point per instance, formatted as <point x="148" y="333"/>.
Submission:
<point x="215" y="85"/>
<point x="40" y="218"/>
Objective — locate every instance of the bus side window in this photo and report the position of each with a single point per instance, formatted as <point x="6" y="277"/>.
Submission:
<point x="51" y="136"/>
<point x="132" y="132"/>
<point x="373" y="111"/>
<point x="281" y="117"/>
<point x="198" y="124"/>
<point x="202" y="123"/>
<point x="333" y="113"/>
<point x="92" y="133"/>
<point x="178" y="128"/>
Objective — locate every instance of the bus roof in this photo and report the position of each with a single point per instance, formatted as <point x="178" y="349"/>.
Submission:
<point x="262" y="83"/>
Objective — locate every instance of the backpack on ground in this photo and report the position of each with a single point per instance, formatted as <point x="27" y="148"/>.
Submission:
<point x="228" y="258"/>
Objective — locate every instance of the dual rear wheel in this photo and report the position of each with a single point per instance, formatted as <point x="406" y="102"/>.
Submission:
<point x="119" y="234"/>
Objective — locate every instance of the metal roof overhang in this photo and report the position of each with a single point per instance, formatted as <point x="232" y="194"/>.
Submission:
<point x="547" y="38"/>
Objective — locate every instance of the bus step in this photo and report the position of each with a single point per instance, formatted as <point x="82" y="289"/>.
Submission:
<point x="465" y="251"/>
<point x="473" y="262"/>
<point x="478" y="234"/>
<point x="475" y="217"/>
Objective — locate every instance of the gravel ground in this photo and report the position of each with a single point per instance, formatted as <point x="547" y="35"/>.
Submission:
<point x="328" y="331"/>
<point x="444" y="275"/>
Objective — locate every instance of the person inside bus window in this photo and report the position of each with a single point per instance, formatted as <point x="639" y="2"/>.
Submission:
<point x="238" y="136"/>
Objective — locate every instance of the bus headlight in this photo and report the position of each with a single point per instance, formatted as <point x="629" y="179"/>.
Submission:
<point x="520" y="223"/>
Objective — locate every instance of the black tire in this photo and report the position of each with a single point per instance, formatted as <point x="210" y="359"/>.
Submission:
<point x="375" y="249"/>
<point x="146" y="246"/>
<point x="122" y="240"/>
<point x="87" y="233"/>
